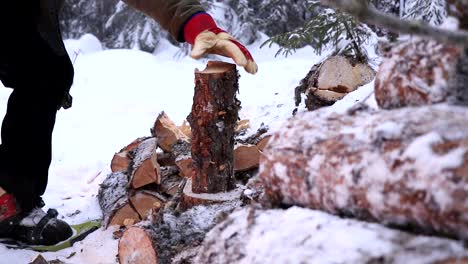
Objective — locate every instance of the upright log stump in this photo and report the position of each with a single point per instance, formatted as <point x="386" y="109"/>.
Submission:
<point x="213" y="121"/>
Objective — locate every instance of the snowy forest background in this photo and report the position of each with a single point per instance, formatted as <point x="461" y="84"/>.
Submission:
<point x="117" y="25"/>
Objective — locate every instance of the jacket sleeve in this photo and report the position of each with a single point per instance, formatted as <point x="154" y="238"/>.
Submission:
<point x="170" y="14"/>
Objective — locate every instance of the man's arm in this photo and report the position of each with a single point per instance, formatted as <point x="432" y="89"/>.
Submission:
<point x="187" y="21"/>
<point x="170" y="14"/>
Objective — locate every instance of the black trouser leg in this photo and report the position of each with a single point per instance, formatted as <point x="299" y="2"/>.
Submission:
<point x="25" y="153"/>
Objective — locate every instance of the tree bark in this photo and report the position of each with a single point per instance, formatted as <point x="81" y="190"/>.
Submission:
<point x="300" y="235"/>
<point x="213" y="120"/>
<point x="406" y="167"/>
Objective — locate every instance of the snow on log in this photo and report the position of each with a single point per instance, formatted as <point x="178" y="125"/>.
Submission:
<point x="246" y="157"/>
<point x="122" y="159"/>
<point x="406" y="167"/>
<point x="162" y="240"/>
<point x="213" y="119"/>
<point x="299" y="235"/>
<point x="191" y="199"/>
<point x="114" y="202"/>
<point x="167" y="133"/>
<point x="419" y="72"/>
<point x="144" y="166"/>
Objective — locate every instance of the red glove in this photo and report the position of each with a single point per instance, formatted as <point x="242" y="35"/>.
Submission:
<point x="202" y="32"/>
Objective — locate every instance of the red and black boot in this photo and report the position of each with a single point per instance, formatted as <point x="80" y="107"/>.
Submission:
<point x="34" y="227"/>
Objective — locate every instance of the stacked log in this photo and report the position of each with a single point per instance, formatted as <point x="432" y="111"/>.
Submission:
<point x="406" y="167"/>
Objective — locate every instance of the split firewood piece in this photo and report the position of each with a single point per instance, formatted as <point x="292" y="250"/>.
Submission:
<point x="246" y="157"/>
<point x="160" y="241"/>
<point x="114" y="202"/>
<point x="183" y="158"/>
<point x="122" y="159"/>
<point x="165" y="159"/>
<point x="144" y="167"/>
<point x="167" y="133"/>
<point x="406" y="167"/>
<point x="170" y="180"/>
<point x="242" y="125"/>
<point x="186" y="129"/>
<point x="299" y="235"/>
<point x="146" y="201"/>
<point x="213" y="119"/>
<point x="263" y="142"/>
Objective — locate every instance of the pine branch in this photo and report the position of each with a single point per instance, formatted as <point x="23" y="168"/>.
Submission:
<point x="367" y="14"/>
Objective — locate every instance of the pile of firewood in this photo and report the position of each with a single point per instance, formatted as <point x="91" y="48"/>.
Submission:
<point x="148" y="172"/>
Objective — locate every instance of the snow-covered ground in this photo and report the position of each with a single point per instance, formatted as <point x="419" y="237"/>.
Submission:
<point x="117" y="96"/>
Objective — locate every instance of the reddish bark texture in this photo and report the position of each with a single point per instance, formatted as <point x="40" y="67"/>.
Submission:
<point x="213" y="120"/>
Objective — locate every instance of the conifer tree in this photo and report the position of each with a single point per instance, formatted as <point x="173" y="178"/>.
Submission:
<point x="326" y="29"/>
<point x="429" y="11"/>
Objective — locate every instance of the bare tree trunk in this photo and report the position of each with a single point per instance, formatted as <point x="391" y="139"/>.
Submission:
<point x="213" y="120"/>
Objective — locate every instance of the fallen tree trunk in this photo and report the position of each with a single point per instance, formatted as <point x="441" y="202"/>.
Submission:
<point x="213" y="119"/>
<point x="169" y="235"/>
<point x="300" y="235"/>
<point x="405" y="167"/>
<point x="144" y="166"/>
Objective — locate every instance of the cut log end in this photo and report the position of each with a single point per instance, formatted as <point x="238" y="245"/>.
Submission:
<point x="124" y="214"/>
<point x="134" y="240"/>
<point x="120" y="162"/>
<point x="146" y="202"/>
<point x="216" y="67"/>
<point x="246" y="157"/>
<point x="167" y="132"/>
<point x="149" y="172"/>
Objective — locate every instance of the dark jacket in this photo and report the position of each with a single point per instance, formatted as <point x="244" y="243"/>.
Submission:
<point x="170" y="14"/>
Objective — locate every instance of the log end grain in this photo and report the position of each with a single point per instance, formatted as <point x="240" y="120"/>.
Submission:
<point x="136" y="246"/>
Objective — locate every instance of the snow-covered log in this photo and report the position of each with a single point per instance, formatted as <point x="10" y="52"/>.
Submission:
<point x="300" y="235"/>
<point x="170" y="237"/>
<point x="419" y="72"/>
<point x="213" y="119"/>
<point x="406" y="167"/>
<point x="144" y="168"/>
